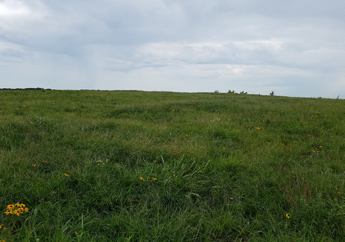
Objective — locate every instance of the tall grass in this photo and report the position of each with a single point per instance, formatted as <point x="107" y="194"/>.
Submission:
<point x="158" y="166"/>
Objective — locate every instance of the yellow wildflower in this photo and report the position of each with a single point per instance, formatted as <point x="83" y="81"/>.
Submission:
<point x="20" y="205"/>
<point x="66" y="174"/>
<point x="11" y="206"/>
<point x="287" y="215"/>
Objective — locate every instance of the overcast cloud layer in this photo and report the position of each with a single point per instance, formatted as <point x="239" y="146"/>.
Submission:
<point x="296" y="48"/>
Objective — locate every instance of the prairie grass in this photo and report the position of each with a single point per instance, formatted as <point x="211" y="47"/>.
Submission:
<point x="160" y="166"/>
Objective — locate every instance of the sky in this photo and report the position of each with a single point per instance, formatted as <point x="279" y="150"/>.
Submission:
<point x="294" y="48"/>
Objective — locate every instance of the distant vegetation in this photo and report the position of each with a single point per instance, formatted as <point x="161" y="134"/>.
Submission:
<point x="23" y="89"/>
<point x="159" y="166"/>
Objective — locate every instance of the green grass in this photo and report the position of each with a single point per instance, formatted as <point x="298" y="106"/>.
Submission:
<point x="226" y="167"/>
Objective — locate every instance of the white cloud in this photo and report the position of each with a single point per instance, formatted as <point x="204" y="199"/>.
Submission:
<point x="16" y="15"/>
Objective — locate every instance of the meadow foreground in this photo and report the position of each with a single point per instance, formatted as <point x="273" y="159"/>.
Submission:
<point x="160" y="166"/>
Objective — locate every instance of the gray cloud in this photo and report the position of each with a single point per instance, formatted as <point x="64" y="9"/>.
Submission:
<point x="252" y="45"/>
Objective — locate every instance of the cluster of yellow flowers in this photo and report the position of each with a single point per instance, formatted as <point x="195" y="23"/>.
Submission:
<point x="17" y="209"/>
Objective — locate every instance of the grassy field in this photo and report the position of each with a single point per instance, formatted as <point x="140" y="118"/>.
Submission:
<point x="160" y="166"/>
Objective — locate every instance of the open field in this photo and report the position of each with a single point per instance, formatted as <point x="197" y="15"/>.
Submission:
<point x="160" y="166"/>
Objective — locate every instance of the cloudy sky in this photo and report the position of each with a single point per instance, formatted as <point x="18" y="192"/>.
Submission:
<point x="296" y="48"/>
